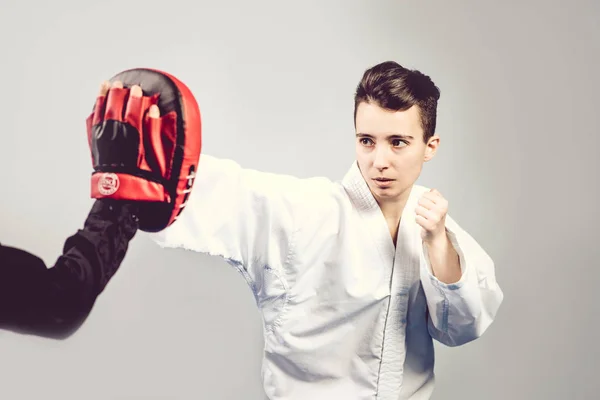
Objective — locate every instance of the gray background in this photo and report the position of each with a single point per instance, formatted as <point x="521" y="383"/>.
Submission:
<point x="518" y="162"/>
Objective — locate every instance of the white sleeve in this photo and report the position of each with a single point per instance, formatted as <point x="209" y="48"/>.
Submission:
<point x="244" y="216"/>
<point x="461" y="312"/>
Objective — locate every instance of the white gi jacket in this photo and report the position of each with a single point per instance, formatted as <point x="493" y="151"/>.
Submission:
<point x="346" y="314"/>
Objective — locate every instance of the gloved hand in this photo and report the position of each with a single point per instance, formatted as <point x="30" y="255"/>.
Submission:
<point x="139" y="155"/>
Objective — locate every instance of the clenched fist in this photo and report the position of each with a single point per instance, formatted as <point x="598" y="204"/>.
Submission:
<point x="431" y="216"/>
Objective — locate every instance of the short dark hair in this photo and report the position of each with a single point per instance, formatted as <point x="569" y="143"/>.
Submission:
<point x="391" y="86"/>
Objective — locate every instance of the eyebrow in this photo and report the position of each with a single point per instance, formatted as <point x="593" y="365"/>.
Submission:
<point x="394" y="136"/>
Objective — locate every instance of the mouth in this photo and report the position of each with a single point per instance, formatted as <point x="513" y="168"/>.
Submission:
<point x="383" y="183"/>
<point x="383" y="179"/>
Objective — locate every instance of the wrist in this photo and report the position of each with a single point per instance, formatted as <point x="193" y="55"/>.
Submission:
<point x="120" y="212"/>
<point x="438" y="241"/>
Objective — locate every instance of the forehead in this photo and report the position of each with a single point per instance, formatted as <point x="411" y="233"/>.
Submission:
<point x="374" y="120"/>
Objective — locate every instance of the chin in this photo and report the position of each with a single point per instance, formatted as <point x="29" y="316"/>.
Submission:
<point x="388" y="194"/>
<point x="384" y="194"/>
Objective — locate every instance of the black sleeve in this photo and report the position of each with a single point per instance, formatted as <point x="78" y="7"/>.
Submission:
<point x="54" y="302"/>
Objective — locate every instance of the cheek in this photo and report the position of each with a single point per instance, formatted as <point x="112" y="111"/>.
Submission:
<point x="409" y="166"/>
<point x="362" y="157"/>
<point x="413" y="161"/>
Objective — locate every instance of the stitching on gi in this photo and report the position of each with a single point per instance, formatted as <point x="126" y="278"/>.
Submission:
<point x="291" y="254"/>
<point x="445" y="312"/>
<point x="277" y="322"/>
<point x="445" y="305"/>
<point x="239" y="267"/>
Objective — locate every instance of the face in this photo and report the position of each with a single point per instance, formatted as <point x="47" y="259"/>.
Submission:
<point x="390" y="150"/>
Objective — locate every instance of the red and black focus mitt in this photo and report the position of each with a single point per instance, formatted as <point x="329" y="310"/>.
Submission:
<point x="151" y="161"/>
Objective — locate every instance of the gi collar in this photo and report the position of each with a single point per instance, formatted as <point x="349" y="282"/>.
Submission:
<point x="358" y="190"/>
<point x="364" y="201"/>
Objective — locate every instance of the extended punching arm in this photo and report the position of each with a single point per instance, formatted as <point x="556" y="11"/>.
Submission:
<point x="54" y="302"/>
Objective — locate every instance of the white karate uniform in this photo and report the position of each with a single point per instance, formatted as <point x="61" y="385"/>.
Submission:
<point x="346" y="314"/>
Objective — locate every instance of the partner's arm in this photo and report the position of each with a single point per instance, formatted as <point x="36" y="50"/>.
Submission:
<point x="54" y="302"/>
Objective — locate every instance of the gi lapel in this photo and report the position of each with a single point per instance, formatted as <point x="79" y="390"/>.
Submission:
<point x="401" y="261"/>
<point x="369" y="210"/>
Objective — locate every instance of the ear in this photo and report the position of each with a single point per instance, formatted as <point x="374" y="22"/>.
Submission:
<point x="432" y="146"/>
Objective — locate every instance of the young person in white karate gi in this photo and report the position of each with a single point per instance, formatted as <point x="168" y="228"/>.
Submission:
<point x="354" y="278"/>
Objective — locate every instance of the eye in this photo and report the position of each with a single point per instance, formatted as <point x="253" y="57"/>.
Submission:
<point x="366" y="141"/>
<point x="399" y="143"/>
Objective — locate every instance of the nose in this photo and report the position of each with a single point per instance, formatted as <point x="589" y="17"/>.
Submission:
<point x="381" y="160"/>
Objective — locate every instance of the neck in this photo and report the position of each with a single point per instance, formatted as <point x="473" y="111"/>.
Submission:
<point x="392" y="209"/>
<point x="392" y="213"/>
